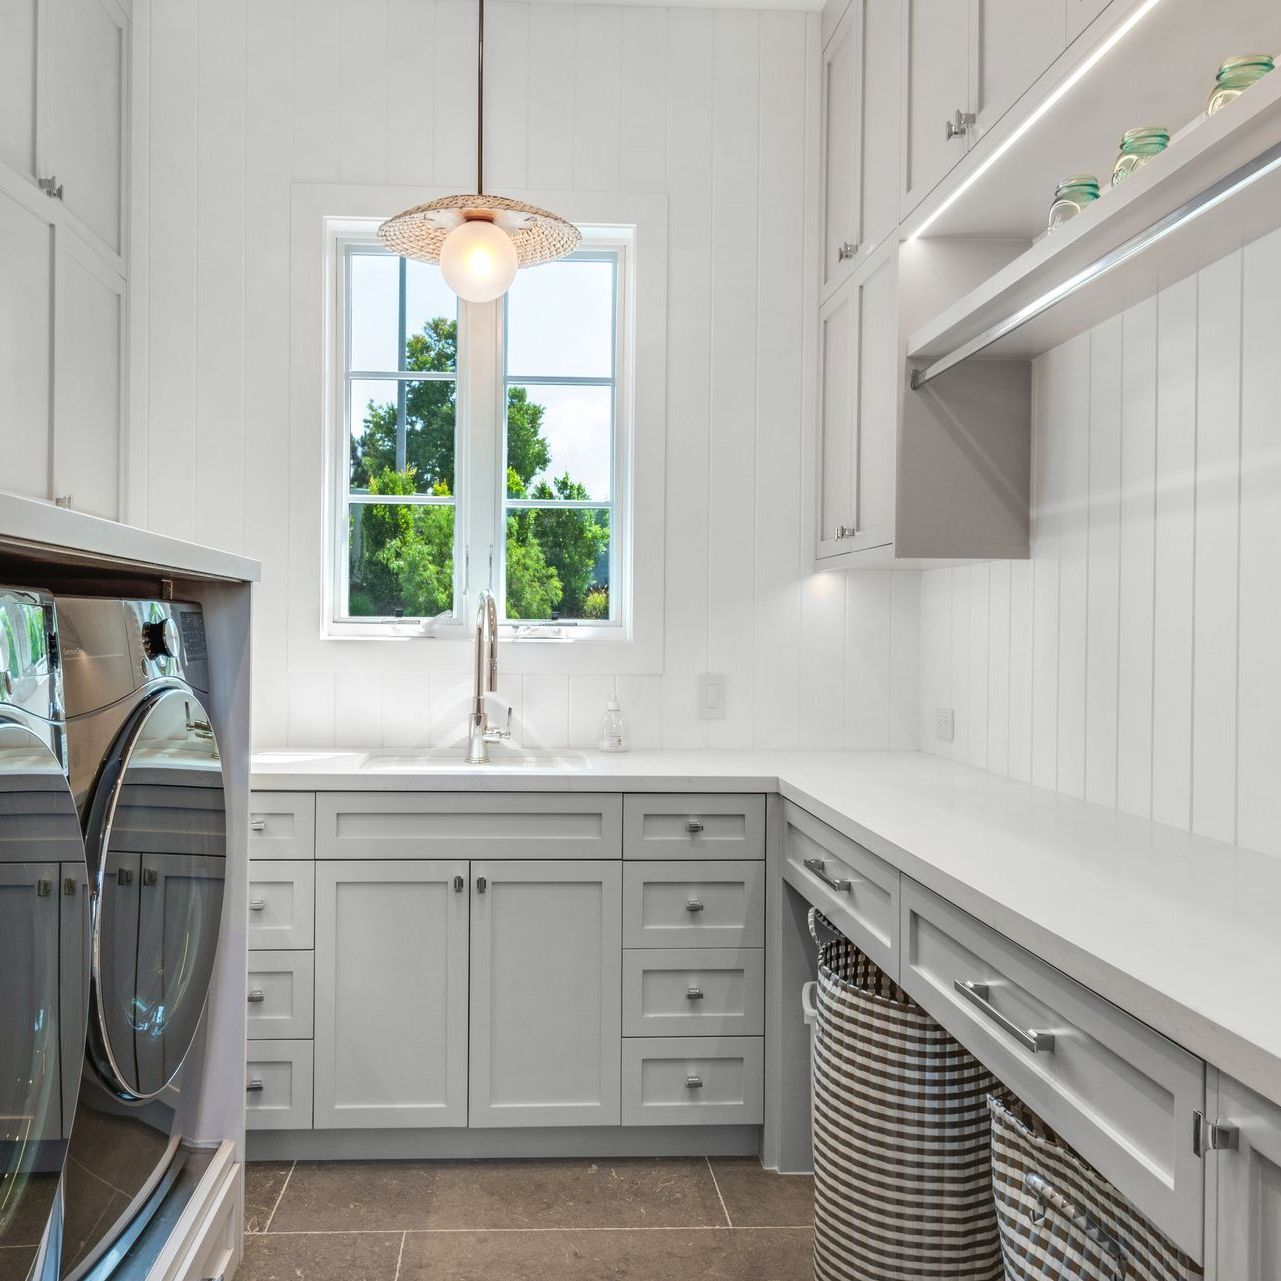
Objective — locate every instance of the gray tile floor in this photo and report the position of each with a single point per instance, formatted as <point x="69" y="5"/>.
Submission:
<point x="638" y="1220"/>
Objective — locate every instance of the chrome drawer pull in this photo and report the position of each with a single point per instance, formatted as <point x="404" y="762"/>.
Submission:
<point x="694" y="994"/>
<point x="977" y="995"/>
<point x="254" y="1086"/>
<point x="257" y="904"/>
<point x="693" y="826"/>
<point x="693" y="1082"/>
<point x="258" y="823"/>
<point x="694" y="905"/>
<point x="819" y="868"/>
<point x="256" y="997"/>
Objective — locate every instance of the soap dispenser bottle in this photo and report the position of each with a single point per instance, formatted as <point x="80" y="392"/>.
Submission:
<point x="613" y="727"/>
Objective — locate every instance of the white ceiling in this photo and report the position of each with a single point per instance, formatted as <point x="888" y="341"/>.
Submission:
<point x="800" y="6"/>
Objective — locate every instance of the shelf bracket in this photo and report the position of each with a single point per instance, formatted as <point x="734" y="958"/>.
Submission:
<point x="1249" y="173"/>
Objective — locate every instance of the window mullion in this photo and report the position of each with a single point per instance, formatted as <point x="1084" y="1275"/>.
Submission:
<point x="480" y="374"/>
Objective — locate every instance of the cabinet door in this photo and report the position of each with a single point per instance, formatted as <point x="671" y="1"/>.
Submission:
<point x="391" y="994"/>
<point x="83" y="125"/>
<point x="19" y="23"/>
<point x="936" y="39"/>
<point x="88" y="387"/>
<point x="26" y="353"/>
<point x="546" y="993"/>
<point x="842" y="179"/>
<point x="882" y="125"/>
<point x="1014" y="43"/>
<point x="1249" y="1196"/>
<point x="1080" y="13"/>
<point x="838" y="386"/>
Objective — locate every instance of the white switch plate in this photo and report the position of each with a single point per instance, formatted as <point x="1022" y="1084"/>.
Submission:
<point x="944" y="724"/>
<point x="711" y="696"/>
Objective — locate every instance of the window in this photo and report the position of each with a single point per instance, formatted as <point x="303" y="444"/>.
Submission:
<point x="479" y="445"/>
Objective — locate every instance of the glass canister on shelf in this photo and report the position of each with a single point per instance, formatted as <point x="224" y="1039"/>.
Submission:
<point x="1071" y="196"/>
<point x="1235" y="76"/>
<point x="1138" y="146"/>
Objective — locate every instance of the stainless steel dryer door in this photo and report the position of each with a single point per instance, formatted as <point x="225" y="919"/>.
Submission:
<point x="157" y="847"/>
<point x="42" y="995"/>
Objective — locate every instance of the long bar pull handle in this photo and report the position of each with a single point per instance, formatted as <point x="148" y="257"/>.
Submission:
<point x="256" y="997"/>
<point x="257" y="904"/>
<point x="977" y="994"/>
<point x="819" y="868"/>
<point x="253" y="1086"/>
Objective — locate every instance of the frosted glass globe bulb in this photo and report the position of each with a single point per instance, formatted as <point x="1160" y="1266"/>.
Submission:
<point x="478" y="261"/>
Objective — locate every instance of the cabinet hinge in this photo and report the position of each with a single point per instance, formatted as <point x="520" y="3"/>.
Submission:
<point x="1210" y="1136"/>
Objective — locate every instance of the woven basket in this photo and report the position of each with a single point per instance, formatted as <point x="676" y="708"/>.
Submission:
<point x="902" y="1155"/>
<point x="1063" y="1221"/>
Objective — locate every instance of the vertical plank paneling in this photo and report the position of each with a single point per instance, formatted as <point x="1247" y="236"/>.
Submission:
<point x="409" y="76"/>
<point x="936" y="650"/>
<point x="1136" y="554"/>
<point x="1047" y="518"/>
<point x="868" y="614"/>
<point x="318" y="70"/>
<point x="552" y="44"/>
<point x="453" y="116"/>
<point x="1020" y="690"/>
<point x="977" y="685"/>
<point x="1172" y="608"/>
<point x="822" y="660"/>
<point x="998" y="668"/>
<point x="1259" y="690"/>
<point x="689" y="142"/>
<point x="596" y="97"/>
<point x="961" y="597"/>
<point x="507" y="72"/>
<point x="905" y="660"/>
<point x="735" y="166"/>
<point x="643" y="96"/>
<point x="363" y="92"/>
<point x="1103" y="532"/>
<point x="1218" y="452"/>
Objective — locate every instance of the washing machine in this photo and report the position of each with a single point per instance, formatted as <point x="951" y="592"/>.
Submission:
<point x="148" y="782"/>
<point x="44" y="938"/>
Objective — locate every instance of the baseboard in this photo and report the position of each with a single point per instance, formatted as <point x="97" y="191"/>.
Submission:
<point x="446" y="1145"/>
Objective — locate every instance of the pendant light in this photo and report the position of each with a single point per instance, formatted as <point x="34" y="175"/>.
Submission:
<point x="479" y="241"/>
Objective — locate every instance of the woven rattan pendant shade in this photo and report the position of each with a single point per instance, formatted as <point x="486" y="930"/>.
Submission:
<point x="420" y="232"/>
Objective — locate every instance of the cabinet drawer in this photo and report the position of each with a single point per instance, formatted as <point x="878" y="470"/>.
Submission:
<point x="278" y="1085"/>
<point x="282" y="897"/>
<point x="694" y="992"/>
<point x="468" y="825"/>
<point x="693" y="1080"/>
<point x="694" y="904"/>
<point x="694" y="826"/>
<point x="282" y="825"/>
<point x="1118" y="1092"/>
<point x="867" y="911"/>
<point x="280" y="995"/>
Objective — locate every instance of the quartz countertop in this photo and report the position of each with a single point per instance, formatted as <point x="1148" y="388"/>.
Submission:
<point x="1181" y="931"/>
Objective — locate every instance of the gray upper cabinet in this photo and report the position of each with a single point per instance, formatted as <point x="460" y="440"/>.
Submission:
<point x="546" y="993"/>
<point x="19" y="21"/>
<point x="1248" y="1210"/>
<point x="84" y="123"/>
<point x="860" y="86"/>
<point x="1014" y="41"/>
<point x="391" y="994"/>
<point x="936" y="57"/>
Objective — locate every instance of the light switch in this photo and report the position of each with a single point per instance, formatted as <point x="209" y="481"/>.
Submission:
<point x="711" y="696"/>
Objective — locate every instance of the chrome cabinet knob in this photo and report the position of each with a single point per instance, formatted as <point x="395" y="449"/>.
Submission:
<point x="50" y="186"/>
<point x="693" y="1082"/>
<point x="847" y="250"/>
<point x="256" y="996"/>
<point x="959" y="125"/>
<point x="258" y="823"/>
<point x="843" y="531"/>
<point x="694" y="994"/>
<point x="253" y="1086"/>
<point x="481" y="885"/>
<point x="459" y="885"/>
<point x="693" y="826"/>
<point x="694" y="905"/>
<point x="257" y="904"/>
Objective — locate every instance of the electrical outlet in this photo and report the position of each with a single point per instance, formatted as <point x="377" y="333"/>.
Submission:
<point x="944" y="724"/>
<point x="711" y="696"/>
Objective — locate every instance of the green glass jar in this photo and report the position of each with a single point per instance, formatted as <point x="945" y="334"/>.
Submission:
<point x="1071" y="196"/>
<point x="1138" y="146"/>
<point x="1235" y="76"/>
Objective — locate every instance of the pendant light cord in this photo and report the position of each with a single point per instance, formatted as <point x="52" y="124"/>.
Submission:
<point x="480" y="101"/>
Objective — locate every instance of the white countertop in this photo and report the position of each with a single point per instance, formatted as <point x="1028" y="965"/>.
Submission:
<point x="80" y="538"/>
<point x="1183" y="932"/>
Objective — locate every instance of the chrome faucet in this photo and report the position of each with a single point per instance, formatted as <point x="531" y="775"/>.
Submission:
<point x="479" y="730"/>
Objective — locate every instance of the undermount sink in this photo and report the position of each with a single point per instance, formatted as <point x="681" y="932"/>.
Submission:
<point x="453" y="760"/>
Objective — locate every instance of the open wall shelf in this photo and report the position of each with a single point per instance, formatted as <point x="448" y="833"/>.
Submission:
<point x="1215" y="188"/>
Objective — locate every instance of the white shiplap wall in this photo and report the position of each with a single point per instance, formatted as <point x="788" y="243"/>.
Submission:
<point x="1133" y="660"/>
<point x="716" y="109"/>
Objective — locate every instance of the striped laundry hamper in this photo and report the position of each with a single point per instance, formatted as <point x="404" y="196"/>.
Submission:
<point x="902" y="1152"/>
<point x="1063" y="1221"/>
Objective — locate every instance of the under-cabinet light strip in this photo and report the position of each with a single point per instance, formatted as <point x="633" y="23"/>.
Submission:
<point x="1074" y="79"/>
<point x="1248" y="174"/>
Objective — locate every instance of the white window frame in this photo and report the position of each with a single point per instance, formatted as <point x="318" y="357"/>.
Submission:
<point x="480" y="439"/>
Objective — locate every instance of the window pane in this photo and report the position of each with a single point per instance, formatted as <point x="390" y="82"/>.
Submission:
<point x="383" y="456"/>
<point x="559" y="441"/>
<point x="400" y="560"/>
<point x="558" y="564"/>
<point x="431" y="320"/>
<point x="560" y="321"/>
<point x="374" y="310"/>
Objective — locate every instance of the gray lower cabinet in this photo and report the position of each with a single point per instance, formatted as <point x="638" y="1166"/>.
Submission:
<point x="1248" y="1210"/>
<point x="391" y="993"/>
<point x="546" y="982"/>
